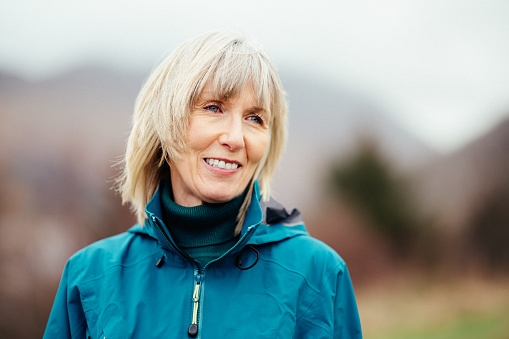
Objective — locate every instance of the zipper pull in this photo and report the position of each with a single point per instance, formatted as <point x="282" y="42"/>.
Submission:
<point x="160" y="262"/>
<point x="193" y="328"/>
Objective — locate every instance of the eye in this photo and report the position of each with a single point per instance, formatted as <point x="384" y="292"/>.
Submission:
<point x="256" y="119"/>
<point x="213" y="108"/>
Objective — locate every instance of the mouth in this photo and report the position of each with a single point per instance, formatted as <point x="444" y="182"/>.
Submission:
<point x="223" y="164"/>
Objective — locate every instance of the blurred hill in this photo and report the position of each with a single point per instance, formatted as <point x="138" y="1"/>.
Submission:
<point x="326" y="121"/>
<point x="88" y="107"/>
<point x="467" y="195"/>
<point x="452" y="185"/>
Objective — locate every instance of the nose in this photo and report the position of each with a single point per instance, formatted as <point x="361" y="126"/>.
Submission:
<point x="232" y="136"/>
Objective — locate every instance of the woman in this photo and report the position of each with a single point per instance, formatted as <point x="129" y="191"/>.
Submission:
<point x="211" y="256"/>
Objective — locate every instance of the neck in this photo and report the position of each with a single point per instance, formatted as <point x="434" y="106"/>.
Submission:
<point x="205" y="231"/>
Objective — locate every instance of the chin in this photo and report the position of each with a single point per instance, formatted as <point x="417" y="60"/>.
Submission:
<point x="220" y="196"/>
<point x="218" y="199"/>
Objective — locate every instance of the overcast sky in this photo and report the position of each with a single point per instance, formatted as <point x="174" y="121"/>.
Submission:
<point x="440" y="68"/>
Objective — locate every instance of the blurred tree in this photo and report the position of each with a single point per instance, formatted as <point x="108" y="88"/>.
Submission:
<point x="368" y="181"/>
<point x="488" y="230"/>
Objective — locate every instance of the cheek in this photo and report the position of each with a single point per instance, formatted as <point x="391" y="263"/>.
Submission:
<point x="257" y="148"/>
<point x="199" y="136"/>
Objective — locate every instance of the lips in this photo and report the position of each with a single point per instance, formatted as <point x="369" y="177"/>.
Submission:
<point x="223" y="164"/>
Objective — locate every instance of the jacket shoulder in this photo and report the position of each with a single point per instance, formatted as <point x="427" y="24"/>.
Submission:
<point x="286" y="231"/>
<point x="311" y="251"/>
<point x="124" y="249"/>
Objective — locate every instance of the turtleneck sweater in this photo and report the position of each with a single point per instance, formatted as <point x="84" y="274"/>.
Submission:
<point x="204" y="232"/>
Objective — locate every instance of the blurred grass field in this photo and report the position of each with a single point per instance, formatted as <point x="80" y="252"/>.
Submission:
<point x="488" y="325"/>
<point x="419" y="309"/>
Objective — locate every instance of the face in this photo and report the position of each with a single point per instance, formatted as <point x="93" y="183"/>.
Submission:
<point x="227" y="138"/>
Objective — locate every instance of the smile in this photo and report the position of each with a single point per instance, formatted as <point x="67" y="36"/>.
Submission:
<point x="221" y="164"/>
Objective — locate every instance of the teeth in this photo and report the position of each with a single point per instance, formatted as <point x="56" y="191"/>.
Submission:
<point x="221" y="164"/>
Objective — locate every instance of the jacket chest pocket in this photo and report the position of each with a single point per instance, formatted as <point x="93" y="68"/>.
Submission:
<point x="112" y="323"/>
<point x="103" y="313"/>
<point x="108" y="324"/>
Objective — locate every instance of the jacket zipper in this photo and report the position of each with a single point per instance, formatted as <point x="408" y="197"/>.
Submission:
<point x="192" y="331"/>
<point x="193" y="328"/>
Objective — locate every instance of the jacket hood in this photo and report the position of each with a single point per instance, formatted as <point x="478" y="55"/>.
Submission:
<point x="270" y="220"/>
<point x="278" y="224"/>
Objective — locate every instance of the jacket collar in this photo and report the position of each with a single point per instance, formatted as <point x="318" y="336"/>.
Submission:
<point x="265" y="222"/>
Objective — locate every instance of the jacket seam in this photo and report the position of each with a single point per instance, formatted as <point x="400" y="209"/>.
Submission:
<point x="83" y="296"/>
<point x="291" y="271"/>
<point x="326" y="329"/>
<point x="111" y="267"/>
<point x="83" y="324"/>
<point x="314" y="305"/>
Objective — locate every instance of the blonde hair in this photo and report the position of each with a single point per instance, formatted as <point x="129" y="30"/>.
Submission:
<point x="227" y="63"/>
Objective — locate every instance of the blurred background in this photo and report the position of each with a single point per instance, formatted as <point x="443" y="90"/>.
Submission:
<point x="398" y="153"/>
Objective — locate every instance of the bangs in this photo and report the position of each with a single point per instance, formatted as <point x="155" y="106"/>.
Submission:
<point x="238" y="67"/>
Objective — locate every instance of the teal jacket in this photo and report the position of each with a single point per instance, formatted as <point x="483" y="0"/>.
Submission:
<point x="276" y="282"/>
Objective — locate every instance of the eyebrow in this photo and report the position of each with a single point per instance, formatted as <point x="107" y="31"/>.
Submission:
<point x="211" y="95"/>
<point x="259" y="110"/>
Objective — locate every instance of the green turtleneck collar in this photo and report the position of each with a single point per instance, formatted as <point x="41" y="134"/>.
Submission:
<point x="204" y="232"/>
